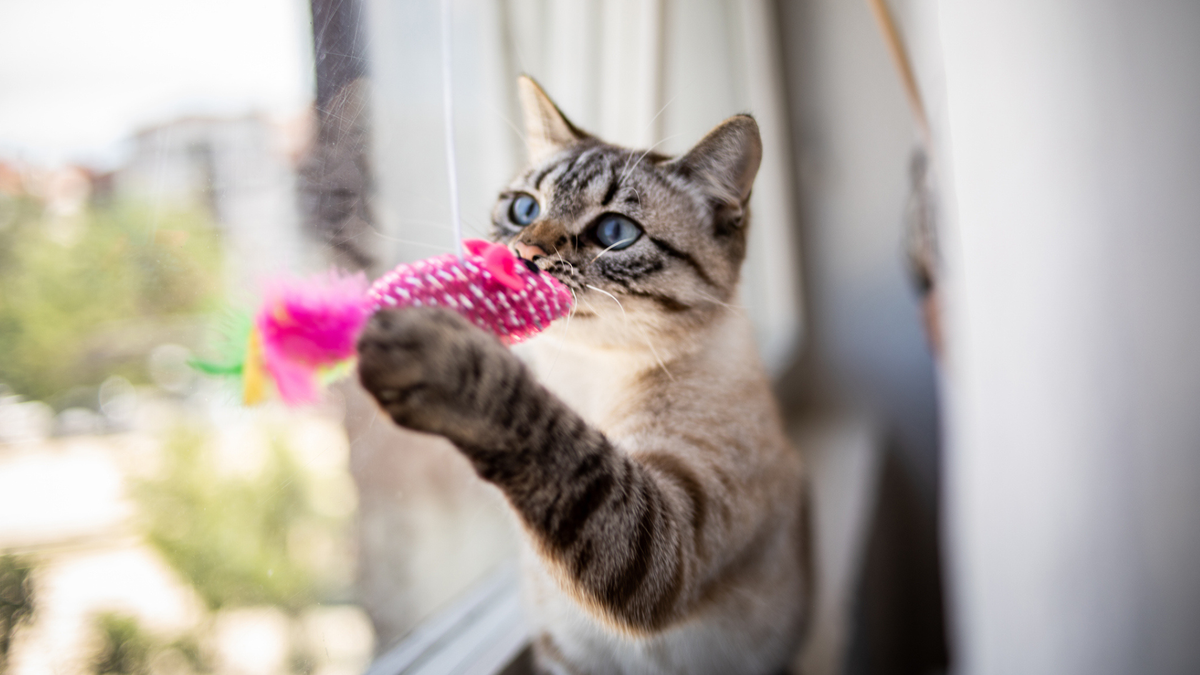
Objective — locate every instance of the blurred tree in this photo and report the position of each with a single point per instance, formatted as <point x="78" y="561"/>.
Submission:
<point x="231" y="538"/>
<point x="125" y="647"/>
<point x="16" y="600"/>
<point x="64" y="278"/>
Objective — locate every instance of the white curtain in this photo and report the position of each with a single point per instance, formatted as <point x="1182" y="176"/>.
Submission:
<point x="1070" y="156"/>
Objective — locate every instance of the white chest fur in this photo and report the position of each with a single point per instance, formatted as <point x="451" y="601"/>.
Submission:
<point x="591" y="381"/>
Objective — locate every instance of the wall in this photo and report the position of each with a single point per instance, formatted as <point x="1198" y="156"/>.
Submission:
<point x="865" y="351"/>
<point x="1073" y="468"/>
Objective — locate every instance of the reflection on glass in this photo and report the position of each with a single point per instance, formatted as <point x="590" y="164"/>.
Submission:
<point x="148" y="182"/>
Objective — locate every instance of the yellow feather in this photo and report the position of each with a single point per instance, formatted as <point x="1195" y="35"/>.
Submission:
<point x="254" y="375"/>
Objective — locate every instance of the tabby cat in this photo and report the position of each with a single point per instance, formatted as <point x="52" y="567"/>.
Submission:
<point x="661" y="506"/>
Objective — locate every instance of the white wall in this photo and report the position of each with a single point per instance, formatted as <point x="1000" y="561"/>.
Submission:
<point x="1071" y="133"/>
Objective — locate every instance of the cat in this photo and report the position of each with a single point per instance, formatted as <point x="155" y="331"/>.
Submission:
<point x="661" y="507"/>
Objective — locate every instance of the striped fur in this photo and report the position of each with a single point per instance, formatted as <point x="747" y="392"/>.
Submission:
<point x="642" y="450"/>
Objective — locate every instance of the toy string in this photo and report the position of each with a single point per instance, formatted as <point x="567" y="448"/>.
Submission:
<point x="448" y="110"/>
<point x="895" y="45"/>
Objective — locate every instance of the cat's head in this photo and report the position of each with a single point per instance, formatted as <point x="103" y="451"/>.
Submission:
<point x="649" y="244"/>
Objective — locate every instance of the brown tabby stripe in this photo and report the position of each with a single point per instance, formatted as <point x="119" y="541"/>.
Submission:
<point x="537" y="183"/>
<point x="575" y="157"/>
<point x="549" y="168"/>
<point x="685" y="257"/>
<point x="583" y="165"/>
<point x="663" y="180"/>
<point x="624" y="271"/>
<point x="603" y="515"/>
<point x="564" y="165"/>
<point x="666" y="302"/>
<point x="613" y="185"/>
<point x="677" y="470"/>
<point x="593" y="172"/>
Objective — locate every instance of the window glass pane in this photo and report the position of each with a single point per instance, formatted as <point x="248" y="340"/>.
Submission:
<point x="148" y="182"/>
<point x="159" y="163"/>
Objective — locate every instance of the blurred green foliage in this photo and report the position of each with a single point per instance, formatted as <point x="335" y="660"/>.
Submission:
<point x="230" y="537"/>
<point x="124" y="646"/>
<point x="16" y="600"/>
<point x="187" y="650"/>
<point x="63" y="278"/>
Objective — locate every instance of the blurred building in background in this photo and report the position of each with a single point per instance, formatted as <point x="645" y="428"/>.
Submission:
<point x="242" y="171"/>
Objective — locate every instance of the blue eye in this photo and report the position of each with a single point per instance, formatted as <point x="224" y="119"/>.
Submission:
<point x="617" y="232"/>
<point x="524" y="210"/>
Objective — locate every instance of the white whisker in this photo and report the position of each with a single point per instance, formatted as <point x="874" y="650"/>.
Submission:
<point x="713" y="299"/>
<point x="608" y="249"/>
<point x="436" y="247"/>
<point x="636" y="192"/>
<point x="660" y="111"/>
<point x="601" y="290"/>
<point x="645" y="335"/>
<point x="431" y="224"/>
<point x="629" y="167"/>
<point x="473" y="224"/>
<point x="658" y="358"/>
<point x="564" y="261"/>
<point x="650" y="124"/>
<point x="566" y="328"/>
<point x="501" y="115"/>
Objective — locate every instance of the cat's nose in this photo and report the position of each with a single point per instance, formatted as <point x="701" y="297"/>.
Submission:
<point x="529" y="251"/>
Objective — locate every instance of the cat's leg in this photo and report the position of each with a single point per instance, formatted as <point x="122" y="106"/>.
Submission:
<point x="623" y="533"/>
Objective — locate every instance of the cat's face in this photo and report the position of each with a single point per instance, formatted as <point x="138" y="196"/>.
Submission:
<point x="647" y="243"/>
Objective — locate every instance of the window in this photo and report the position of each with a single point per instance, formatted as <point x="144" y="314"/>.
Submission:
<point x="158" y="162"/>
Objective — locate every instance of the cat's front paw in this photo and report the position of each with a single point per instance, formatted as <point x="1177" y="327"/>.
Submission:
<point x="432" y="371"/>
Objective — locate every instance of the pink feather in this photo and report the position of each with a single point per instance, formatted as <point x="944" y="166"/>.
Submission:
<point x="306" y="325"/>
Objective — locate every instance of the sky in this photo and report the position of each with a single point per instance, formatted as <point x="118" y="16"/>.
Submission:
<point x="77" y="77"/>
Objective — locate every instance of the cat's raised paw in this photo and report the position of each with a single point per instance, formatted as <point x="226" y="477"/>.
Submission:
<point x="425" y="366"/>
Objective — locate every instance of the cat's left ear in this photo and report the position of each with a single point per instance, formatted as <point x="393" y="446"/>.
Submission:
<point x="725" y="161"/>
<point x="547" y="130"/>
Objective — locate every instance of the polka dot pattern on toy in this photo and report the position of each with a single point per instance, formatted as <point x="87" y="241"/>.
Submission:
<point x="489" y="286"/>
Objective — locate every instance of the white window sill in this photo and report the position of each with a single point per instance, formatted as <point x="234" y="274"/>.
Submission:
<point x="483" y="633"/>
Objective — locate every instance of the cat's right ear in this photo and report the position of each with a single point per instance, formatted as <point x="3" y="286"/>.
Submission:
<point x="547" y="130"/>
<point x="725" y="161"/>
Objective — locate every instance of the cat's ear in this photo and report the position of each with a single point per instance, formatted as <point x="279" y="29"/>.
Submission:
<point x="725" y="161"/>
<point x="547" y="130"/>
